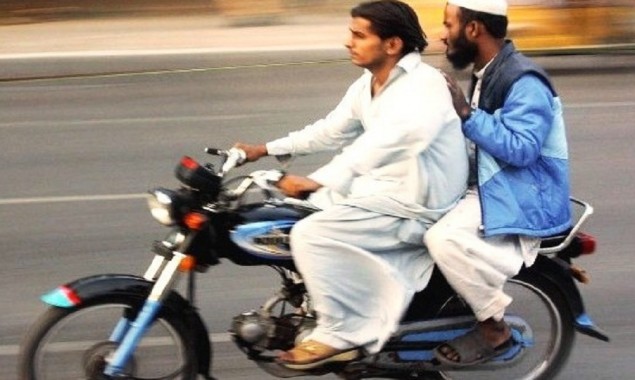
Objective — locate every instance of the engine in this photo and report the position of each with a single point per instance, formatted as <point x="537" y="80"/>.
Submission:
<point x="257" y="332"/>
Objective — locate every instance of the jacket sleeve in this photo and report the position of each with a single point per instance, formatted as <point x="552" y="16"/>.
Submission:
<point x="515" y="133"/>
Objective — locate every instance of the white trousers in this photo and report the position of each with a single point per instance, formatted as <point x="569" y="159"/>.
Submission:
<point x="477" y="267"/>
<point x="360" y="275"/>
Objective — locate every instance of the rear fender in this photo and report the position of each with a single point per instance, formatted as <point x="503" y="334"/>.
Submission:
<point x="87" y="289"/>
<point x="559" y="275"/>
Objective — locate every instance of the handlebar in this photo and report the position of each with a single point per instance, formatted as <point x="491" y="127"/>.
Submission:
<point x="264" y="179"/>
<point x="215" y="152"/>
<point x="231" y="158"/>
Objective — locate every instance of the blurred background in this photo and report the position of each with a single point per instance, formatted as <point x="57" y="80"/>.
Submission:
<point x="543" y="25"/>
<point x="100" y="98"/>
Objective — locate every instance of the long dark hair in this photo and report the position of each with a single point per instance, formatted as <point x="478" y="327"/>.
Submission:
<point x="393" y="18"/>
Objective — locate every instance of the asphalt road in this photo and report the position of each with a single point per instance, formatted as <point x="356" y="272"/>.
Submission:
<point x="78" y="152"/>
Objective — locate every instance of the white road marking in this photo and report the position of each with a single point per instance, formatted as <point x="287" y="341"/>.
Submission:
<point x="14" y="349"/>
<point x="83" y="198"/>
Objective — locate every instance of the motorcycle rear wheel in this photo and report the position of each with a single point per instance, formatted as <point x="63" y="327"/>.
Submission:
<point x="543" y="306"/>
<point x="72" y="343"/>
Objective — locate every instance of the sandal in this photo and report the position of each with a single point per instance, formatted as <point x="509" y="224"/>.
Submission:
<point x="311" y="354"/>
<point x="472" y="349"/>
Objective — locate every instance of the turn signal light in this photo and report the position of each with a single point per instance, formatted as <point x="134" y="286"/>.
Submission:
<point x="195" y="221"/>
<point x="187" y="264"/>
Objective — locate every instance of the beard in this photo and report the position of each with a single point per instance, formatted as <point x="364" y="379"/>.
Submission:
<point x="463" y="54"/>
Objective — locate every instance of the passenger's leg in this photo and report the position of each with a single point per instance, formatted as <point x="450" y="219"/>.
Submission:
<point x="476" y="267"/>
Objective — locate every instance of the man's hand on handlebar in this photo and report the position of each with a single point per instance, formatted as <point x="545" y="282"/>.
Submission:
<point x="293" y="186"/>
<point x="253" y="152"/>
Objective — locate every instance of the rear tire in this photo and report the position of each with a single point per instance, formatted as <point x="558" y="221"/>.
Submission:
<point x="72" y="343"/>
<point x="540" y="303"/>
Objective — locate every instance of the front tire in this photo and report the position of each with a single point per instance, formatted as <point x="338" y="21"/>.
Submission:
<point x="72" y="343"/>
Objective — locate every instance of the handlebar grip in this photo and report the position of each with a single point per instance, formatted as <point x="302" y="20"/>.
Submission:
<point x="235" y="157"/>
<point x="215" y="152"/>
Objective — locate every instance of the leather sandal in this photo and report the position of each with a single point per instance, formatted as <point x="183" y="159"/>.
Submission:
<point x="472" y="349"/>
<point x="311" y="354"/>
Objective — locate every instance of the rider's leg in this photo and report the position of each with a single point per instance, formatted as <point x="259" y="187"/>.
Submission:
<point x="360" y="275"/>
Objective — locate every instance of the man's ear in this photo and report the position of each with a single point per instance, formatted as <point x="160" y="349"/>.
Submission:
<point x="473" y="30"/>
<point x="393" y="46"/>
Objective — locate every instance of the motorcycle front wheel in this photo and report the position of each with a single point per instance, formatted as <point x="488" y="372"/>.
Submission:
<point x="73" y="343"/>
<point x="545" y="310"/>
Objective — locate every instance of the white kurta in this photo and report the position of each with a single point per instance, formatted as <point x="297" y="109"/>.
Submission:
<point x="404" y="165"/>
<point x="404" y="144"/>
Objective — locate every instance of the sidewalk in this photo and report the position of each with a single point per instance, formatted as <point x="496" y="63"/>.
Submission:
<point x="156" y="34"/>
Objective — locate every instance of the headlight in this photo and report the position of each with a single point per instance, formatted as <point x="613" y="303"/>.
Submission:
<point x="163" y="206"/>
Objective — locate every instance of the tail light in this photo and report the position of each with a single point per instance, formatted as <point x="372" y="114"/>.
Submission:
<point x="587" y="243"/>
<point x="581" y="244"/>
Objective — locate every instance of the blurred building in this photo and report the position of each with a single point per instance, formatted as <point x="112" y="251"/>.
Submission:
<point x="540" y="25"/>
<point x="545" y="25"/>
<point x="534" y="24"/>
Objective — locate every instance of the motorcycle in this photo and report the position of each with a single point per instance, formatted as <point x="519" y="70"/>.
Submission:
<point x="121" y="326"/>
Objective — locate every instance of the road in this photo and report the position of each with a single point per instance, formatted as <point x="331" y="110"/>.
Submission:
<point x="78" y="152"/>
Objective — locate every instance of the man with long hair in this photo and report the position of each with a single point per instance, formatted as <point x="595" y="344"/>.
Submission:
<point x="403" y="165"/>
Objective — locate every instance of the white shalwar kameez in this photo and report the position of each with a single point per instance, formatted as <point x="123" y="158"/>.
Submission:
<point x="403" y="167"/>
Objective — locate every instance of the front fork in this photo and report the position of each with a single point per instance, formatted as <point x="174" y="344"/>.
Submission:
<point x="128" y="333"/>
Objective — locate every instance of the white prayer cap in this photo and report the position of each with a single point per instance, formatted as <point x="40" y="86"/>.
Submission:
<point x="495" y="7"/>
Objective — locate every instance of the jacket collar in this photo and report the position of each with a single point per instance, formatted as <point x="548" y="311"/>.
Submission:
<point x="507" y="50"/>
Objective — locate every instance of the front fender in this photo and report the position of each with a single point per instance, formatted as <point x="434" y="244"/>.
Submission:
<point x="86" y="289"/>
